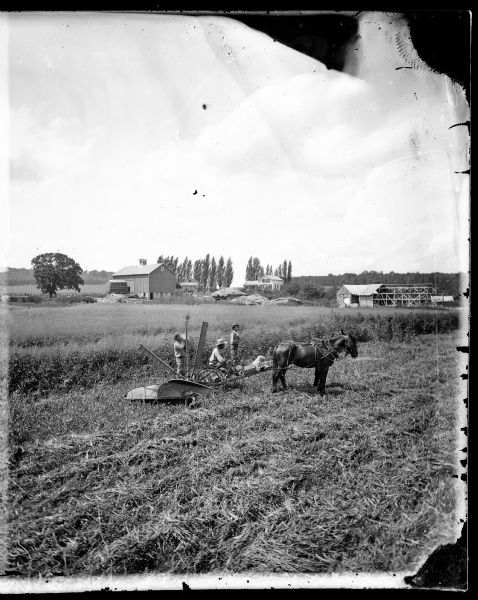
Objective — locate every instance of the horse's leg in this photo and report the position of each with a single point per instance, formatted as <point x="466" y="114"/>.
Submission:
<point x="316" y="378"/>
<point x="275" y="376"/>
<point x="323" y="379"/>
<point x="275" y="372"/>
<point x="282" y="378"/>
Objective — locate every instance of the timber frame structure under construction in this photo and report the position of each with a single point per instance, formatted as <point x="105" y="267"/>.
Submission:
<point x="413" y="294"/>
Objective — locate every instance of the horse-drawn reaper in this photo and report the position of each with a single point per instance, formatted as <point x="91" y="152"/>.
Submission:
<point x="201" y="380"/>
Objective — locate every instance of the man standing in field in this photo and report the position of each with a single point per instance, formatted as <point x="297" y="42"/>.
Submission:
<point x="234" y="343"/>
<point x="180" y="353"/>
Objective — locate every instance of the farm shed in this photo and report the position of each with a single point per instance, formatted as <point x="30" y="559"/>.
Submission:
<point x="117" y="286"/>
<point x="442" y="299"/>
<point x="357" y="295"/>
<point x="381" y="294"/>
<point x="147" y="280"/>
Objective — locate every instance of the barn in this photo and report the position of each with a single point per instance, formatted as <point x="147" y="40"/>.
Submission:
<point x="147" y="280"/>
<point x="357" y="295"/>
<point x="385" y="294"/>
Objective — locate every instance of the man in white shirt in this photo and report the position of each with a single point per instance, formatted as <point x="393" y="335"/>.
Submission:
<point x="180" y="353"/>
<point x="234" y="343"/>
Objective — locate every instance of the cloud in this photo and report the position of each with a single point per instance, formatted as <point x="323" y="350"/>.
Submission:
<point x="337" y="172"/>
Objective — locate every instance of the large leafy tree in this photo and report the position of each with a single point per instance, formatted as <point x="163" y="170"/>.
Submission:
<point x="54" y="271"/>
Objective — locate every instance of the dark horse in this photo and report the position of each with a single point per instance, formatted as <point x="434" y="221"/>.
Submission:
<point x="319" y="355"/>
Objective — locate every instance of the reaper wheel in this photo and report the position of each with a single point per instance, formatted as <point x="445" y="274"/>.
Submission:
<point x="210" y="376"/>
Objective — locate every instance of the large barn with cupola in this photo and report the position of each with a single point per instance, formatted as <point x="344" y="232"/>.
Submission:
<point x="147" y="281"/>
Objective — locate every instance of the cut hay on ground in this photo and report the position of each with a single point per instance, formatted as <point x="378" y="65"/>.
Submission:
<point x="357" y="481"/>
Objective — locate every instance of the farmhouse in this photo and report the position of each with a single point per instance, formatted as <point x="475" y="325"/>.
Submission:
<point x="189" y="286"/>
<point x="271" y="283"/>
<point x="147" y="280"/>
<point x="381" y="294"/>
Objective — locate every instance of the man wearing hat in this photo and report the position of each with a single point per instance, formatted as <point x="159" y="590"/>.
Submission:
<point x="217" y="359"/>
<point x="179" y="353"/>
<point x="234" y="343"/>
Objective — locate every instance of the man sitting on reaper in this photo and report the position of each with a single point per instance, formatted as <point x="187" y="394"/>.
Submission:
<point x="217" y="359"/>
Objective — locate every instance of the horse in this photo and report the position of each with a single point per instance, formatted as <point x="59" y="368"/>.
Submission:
<point x="320" y="355"/>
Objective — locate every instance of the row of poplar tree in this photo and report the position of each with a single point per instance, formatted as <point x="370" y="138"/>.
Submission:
<point x="209" y="273"/>
<point x="254" y="270"/>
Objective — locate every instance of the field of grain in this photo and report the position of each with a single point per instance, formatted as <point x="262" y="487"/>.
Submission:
<point x="361" y="480"/>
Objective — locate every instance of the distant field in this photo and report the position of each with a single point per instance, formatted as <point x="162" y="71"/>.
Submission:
<point x="115" y="323"/>
<point x="32" y="289"/>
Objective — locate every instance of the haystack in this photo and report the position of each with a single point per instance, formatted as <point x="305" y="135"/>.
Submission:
<point x="287" y="302"/>
<point x="112" y="298"/>
<point x="252" y="299"/>
<point x="226" y="293"/>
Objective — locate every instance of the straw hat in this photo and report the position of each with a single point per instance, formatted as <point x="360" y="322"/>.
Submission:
<point x="221" y="342"/>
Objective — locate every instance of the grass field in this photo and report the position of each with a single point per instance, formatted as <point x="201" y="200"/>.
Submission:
<point x="360" y="480"/>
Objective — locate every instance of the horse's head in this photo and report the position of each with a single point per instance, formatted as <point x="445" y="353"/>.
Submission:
<point x="348" y="343"/>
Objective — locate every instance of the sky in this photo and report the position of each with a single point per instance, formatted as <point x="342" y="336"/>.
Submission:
<point x="132" y="136"/>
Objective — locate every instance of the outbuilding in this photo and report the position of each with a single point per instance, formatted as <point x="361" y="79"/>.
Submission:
<point x="148" y="280"/>
<point x="386" y="294"/>
<point x="357" y="295"/>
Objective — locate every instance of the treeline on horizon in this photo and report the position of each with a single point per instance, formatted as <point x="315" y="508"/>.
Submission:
<point x="14" y="276"/>
<point x="444" y="283"/>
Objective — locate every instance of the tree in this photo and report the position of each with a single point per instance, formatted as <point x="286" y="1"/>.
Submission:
<point x="229" y="273"/>
<point x="312" y="292"/>
<point x="284" y="271"/>
<point x="197" y="271"/>
<point x="205" y="272"/>
<point x="56" y="271"/>
<point x="212" y="274"/>
<point x="220" y="271"/>
<point x="249" y="270"/>
<point x="256" y="268"/>
<point x="289" y="272"/>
